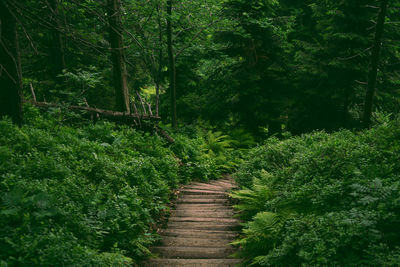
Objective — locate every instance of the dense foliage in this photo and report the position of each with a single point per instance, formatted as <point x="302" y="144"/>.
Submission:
<point x="80" y="193"/>
<point x="74" y="193"/>
<point x="297" y="65"/>
<point x="323" y="199"/>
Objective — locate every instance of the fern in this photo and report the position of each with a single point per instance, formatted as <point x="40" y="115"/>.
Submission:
<point x="253" y="200"/>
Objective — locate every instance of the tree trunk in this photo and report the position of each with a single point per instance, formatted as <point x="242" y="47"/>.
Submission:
<point x="346" y="103"/>
<point x="118" y="55"/>
<point x="10" y="67"/>
<point x="159" y="71"/>
<point x="172" y="69"/>
<point x="372" y="76"/>
<point x="57" y="49"/>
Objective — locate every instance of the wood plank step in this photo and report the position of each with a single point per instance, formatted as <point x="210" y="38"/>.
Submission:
<point x="192" y="263"/>
<point x="204" y="220"/>
<point x="223" y="183"/>
<point x="202" y="192"/>
<point x="192" y="206"/>
<point x="204" y="207"/>
<point x="204" y="184"/>
<point x="193" y="252"/>
<point x="211" y="234"/>
<point x="196" y="242"/>
<point x="190" y="196"/>
<point x="202" y="201"/>
<point x="210" y="213"/>
<point x="206" y="187"/>
<point x="204" y="226"/>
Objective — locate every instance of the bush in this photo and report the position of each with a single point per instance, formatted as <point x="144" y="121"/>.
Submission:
<point x="77" y="194"/>
<point x="204" y="154"/>
<point x="323" y="199"/>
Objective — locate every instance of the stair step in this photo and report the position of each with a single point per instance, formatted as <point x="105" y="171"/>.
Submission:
<point x="227" y="185"/>
<point x="196" y="242"/>
<point x="210" y="196"/>
<point x="211" y="234"/>
<point x="202" y="201"/>
<point x="211" y="213"/>
<point x="208" y="187"/>
<point x="204" y="226"/>
<point x="193" y="252"/>
<point x="204" y="220"/>
<point x="199" y="206"/>
<point x="202" y="192"/>
<point x="192" y="263"/>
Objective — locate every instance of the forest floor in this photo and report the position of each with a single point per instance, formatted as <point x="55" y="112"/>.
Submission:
<point x="200" y="229"/>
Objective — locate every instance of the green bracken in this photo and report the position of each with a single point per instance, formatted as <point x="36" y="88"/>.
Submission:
<point x="323" y="199"/>
<point x="83" y="194"/>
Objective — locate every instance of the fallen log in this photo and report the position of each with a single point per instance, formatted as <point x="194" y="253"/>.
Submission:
<point x="109" y="114"/>
<point x="164" y="134"/>
<point x="130" y="118"/>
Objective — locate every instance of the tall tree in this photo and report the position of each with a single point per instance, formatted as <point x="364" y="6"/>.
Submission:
<point x="114" y="8"/>
<point x="172" y="69"/>
<point x="10" y="66"/>
<point x="57" y="43"/>
<point x="372" y="76"/>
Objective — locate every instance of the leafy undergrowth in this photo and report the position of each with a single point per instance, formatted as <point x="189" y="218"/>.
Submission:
<point x="82" y="194"/>
<point x="323" y="199"/>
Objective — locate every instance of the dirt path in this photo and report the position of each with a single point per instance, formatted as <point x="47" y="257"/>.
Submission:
<point x="200" y="229"/>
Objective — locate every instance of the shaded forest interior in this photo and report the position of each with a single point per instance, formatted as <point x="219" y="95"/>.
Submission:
<point x="264" y="66"/>
<point x="299" y="100"/>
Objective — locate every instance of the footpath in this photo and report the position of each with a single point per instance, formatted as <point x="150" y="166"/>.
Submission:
<point x="201" y="228"/>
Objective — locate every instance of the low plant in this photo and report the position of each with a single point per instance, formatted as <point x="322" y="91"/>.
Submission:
<point x="323" y="199"/>
<point x="85" y="194"/>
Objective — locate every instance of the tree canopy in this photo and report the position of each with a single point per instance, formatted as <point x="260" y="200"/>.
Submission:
<point x="264" y="65"/>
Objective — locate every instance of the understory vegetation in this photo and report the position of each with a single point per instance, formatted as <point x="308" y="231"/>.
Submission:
<point x="323" y="199"/>
<point x="107" y="107"/>
<point x="74" y="193"/>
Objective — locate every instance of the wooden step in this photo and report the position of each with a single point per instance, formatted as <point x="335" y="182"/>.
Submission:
<point x="192" y="206"/>
<point x="224" y="184"/>
<point x="202" y="201"/>
<point x="210" y="213"/>
<point x="193" y="252"/>
<point x="230" y="221"/>
<point x="192" y="263"/>
<point x="196" y="242"/>
<point x="209" y="187"/>
<point x="204" y="226"/>
<point x="202" y="192"/>
<point x="211" y="234"/>
<point x="190" y="196"/>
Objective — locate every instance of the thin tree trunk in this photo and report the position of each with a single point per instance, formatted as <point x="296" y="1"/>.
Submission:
<point x="172" y="70"/>
<point x="58" y="48"/>
<point x="11" y="98"/>
<point x="345" y="106"/>
<point x="118" y="55"/>
<point x="372" y="76"/>
<point x="158" y="74"/>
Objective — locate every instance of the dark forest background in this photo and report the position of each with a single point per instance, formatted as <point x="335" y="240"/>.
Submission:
<point x="265" y="66"/>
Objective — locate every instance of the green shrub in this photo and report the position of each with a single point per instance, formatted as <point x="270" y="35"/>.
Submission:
<point x="80" y="194"/>
<point x="323" y="199"/>
<point x="204" y="154"/>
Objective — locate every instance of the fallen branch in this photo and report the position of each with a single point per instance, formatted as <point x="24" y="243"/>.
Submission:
<point x="109" y="114"/>
<point x="164" y="134"/>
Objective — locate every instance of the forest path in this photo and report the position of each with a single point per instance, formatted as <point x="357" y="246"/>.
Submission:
<point x="201" y="228"/>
